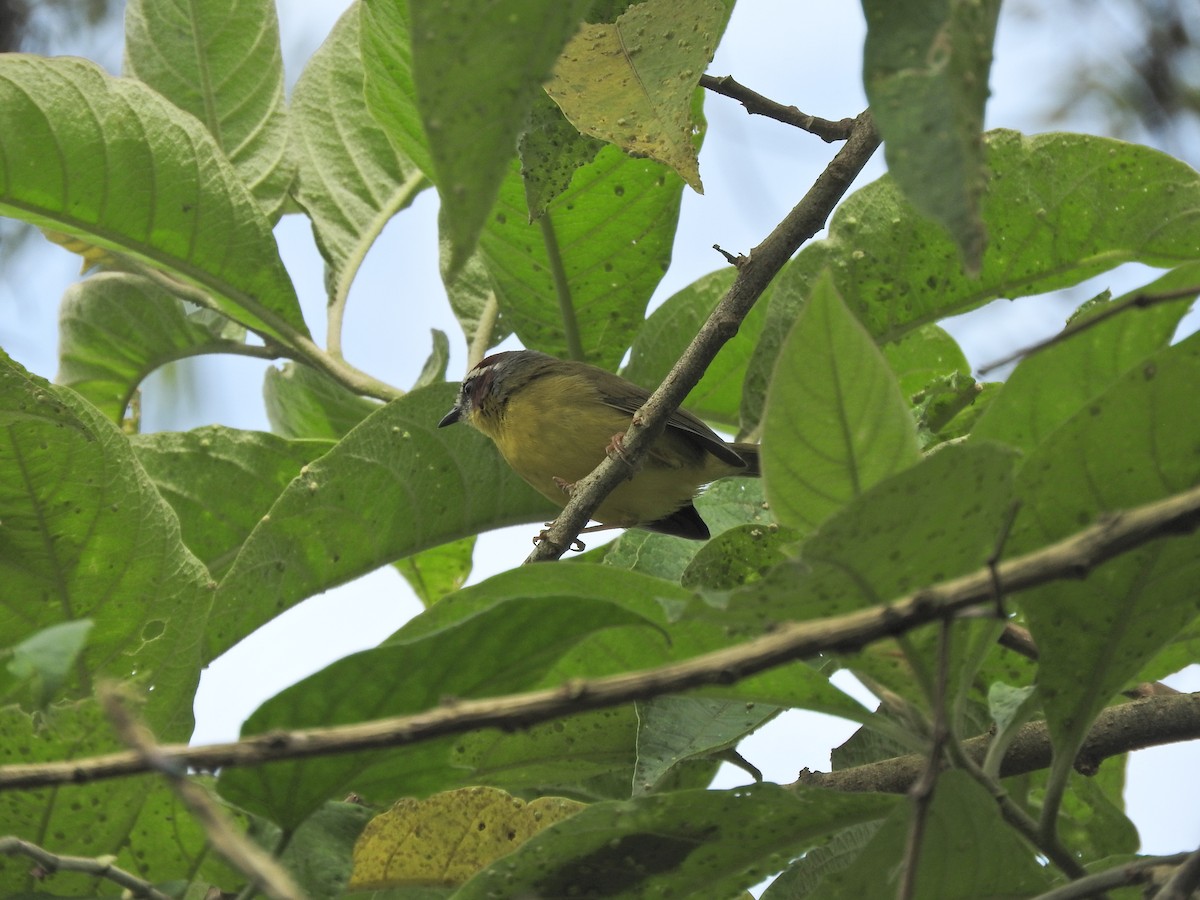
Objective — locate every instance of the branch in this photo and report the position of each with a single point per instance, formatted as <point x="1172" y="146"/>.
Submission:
<point x="754" y="274"/>
<point x="1118" y="729"/>
<point x="758" y="105"/>
<point x="1136" y="301"/>
<point x="1138" y="871"/>
<point x="261" y="869"/>
<point x="1166" y="719"/>
<point x="49" y="863"/>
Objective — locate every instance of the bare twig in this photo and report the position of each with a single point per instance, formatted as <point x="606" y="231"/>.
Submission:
<point x="48" y="863"/>
<point x="260" y="868"/>
<point x="758" y="105"/>
<point x="1184" y="881"/>
<point x="921" y="791"/>
<point x="1134" y="301"/>
<point x="1138" y="871"/>
<point x="753" y="276"/>
<point x="1073" y="557"/>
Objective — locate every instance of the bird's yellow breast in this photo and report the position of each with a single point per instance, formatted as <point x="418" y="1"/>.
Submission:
<point x="558" y="427"/>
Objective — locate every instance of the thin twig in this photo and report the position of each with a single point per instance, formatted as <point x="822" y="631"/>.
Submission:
<point x="259" y="868"/>
<point x="48" y="863"/>
<point x="753" y="276"/>
<point x="1134" y="301"/>
<point x="758" y="105"/>
<point x="1138" y="871"/>
<point x="1184" y="881"/>
<point x="921" y="792"/>
<point x="1018" y="819"/>
<point x="1176" y="717"/>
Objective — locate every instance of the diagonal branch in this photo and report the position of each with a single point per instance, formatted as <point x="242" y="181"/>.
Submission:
<point x="754" y="274"/>
<point x="48" y="863"/>
<point x="1073" y="557"/>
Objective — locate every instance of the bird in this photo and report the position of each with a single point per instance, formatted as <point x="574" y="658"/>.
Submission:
<point x="554" y="420"/>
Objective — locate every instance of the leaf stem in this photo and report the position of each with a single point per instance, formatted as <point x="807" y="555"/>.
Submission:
<point x="562" y="288"/>
<point x="335" y="315"/>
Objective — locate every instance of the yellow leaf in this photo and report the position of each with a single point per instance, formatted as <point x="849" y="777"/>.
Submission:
<point x="445" y="839"/>
<point x="631" y="83"/>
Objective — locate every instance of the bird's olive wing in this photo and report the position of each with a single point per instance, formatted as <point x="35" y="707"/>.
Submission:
<point x="629" y="397"/>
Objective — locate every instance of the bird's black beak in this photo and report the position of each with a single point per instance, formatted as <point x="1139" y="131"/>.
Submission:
<point x="451" y="417"/>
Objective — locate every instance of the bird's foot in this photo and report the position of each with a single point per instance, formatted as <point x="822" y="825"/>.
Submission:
<point x="567" y="487"/>
<point x="577" y="545"/>
<point x="616" y="447"/>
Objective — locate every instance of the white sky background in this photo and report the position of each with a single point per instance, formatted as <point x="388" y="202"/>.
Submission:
<point x="754" y="171"/>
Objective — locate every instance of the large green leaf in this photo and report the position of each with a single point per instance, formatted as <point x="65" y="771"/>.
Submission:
<point x="385" y="44"/>
<point x="220" y="482"/>
<point x="967" y="852"/>
<point x="394" y="485"/>
<point x="351" y="179"/>
<point x="115" y="329"/>
<point x="222" y="63"/>
<point x="609" y="234"/>
<point x="509" y="47"/>
<point x="836" y="423"/>
<point x="161" y="190"/>
<point x="683" y="843"/>
<point x="86" y="536"/>
<point x="1048" y="209"/>
<point x="1131" y="444"/>
<point x="501" y="649"/>
<point x="925" y="69"/>
<point x="122" y="818"/>
<point x="302" y="402"/>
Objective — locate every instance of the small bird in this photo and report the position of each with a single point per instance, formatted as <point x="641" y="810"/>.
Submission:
<point x="554" y="420"/>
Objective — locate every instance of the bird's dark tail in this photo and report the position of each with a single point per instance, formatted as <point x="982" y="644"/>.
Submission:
<point x="748" y="452"/>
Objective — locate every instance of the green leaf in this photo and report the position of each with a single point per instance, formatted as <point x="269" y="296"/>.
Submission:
<point x="351" y="178"/>
<point x="304" y="403"/>
<point x="1131" y="444"/>
<point x="438" y="571"/>
<point x="44" y="660"/>
<point x="674" y="729"/>
<point x="925" y="70"/>
<point x="551" y="151"/>
<point x="318" y="854"/>
<point x="836" y="423"/>
<point x="434" y="370"/>
<point x="1048" y="211"/>
<point x="803" y="877"/>
<point x="685" y="843"/>
<point x="86" y="536"/>
<point x="220" y="482"/>
<point x="925" y="524"/>
<point x="162" y="191"/>
<point x="385" y="43"/>
<point x="394" y="485"/>
<point x="666" y="333"/>
<point x="739" y="556"/>
<point x="967" y="852"/>
<point x="122" y="817"/>
<point x="116" y="328"/>
<point x="473" y="300"/>
<point x="222" y="63"/>
<point x="728" y="504"/>
<point x="610" y="233"/>
<point x="1050" y="386"/>
<point x="510" y="48"/>
<point x="923" y="356"/>
<point x="630" y="82"/>
<point x="501" y="649"/>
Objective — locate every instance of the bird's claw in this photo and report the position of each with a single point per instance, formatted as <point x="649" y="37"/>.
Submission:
<point x="576" y="544"/>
